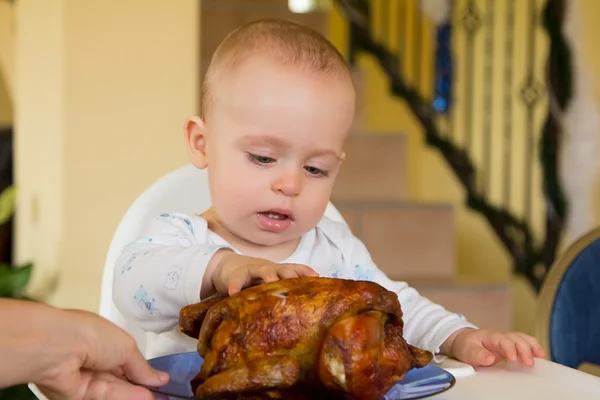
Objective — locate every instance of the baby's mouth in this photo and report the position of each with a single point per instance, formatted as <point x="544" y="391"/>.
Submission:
<point x="276" y="220"/>
<point x="278" y="215"/>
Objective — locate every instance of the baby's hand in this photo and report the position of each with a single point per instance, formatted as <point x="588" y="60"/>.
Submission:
<point x="482" y="347"/>
<point x="236" y="272"/>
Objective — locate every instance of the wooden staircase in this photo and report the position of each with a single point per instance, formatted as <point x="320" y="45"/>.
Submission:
<point x="411" y="241"/>
<point x="408" y="240"/>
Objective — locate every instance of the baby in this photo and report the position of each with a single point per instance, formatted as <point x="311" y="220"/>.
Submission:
<point x="278" y="103"/>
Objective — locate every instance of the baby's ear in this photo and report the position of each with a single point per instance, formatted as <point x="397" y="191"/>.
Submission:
<point x="195" y="137"/>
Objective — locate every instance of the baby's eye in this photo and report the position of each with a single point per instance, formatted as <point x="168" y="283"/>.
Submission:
<point x="260" y="159"/>
<point x="316" y="171"/>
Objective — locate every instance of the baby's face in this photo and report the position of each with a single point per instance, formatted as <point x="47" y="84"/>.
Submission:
<point x="274" y="140"/>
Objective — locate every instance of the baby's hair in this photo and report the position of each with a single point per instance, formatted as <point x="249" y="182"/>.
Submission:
<point x="287" y="42"/>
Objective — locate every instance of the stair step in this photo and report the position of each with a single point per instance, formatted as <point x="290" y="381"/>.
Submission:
<point x="406" y="241"/>
<point x="219" y="17"/>
<point x="487" y="305"/>
<point x="374" y="169"/>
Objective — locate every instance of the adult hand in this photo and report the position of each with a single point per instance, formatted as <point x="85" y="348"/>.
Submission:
<point x="71" y="355"/>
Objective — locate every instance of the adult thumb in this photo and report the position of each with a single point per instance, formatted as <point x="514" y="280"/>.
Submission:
<point x="139" y="371"/>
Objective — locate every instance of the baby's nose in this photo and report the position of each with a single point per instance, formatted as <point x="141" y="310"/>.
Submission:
<point x="289" y="184"/>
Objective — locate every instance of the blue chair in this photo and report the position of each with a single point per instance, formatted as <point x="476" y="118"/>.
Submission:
<point x="568" y="309"/>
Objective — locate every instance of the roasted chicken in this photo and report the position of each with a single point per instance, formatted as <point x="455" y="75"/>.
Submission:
<point x="334" y="336"/>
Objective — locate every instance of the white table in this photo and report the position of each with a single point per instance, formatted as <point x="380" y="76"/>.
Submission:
<point x="545" y="380"/>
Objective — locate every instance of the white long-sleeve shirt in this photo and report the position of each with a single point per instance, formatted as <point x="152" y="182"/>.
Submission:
<point x="162" y="272"/>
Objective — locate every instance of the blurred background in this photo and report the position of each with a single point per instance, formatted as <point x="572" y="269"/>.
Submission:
<point x="472" y="162"/>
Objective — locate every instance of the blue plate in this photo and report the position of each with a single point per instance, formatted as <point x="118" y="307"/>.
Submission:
<point x="183" y="367"/>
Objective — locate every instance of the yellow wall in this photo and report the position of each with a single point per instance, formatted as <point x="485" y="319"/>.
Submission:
<point x="102" y="91"/>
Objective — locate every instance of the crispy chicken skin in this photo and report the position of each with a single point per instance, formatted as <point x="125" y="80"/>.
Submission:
<point x="340" y="338"/>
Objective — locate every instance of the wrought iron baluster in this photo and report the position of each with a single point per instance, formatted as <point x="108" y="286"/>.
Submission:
<point x="417" y="52"/>
<point x="559" y="83"/>
<point x="530" y="95"/>
<point x="452" y="112"/>
<point x="360" y="12"/>
<point x="487" y="110"/>
<point x="384" y="12"/>
<point x="400" y="23"/>
<point x="508" y="101"/>
<point x="471" y="22"/>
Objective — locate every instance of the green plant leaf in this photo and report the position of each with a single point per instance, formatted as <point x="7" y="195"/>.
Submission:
<point x="13" y="279"/>
<point x="7" y="204"/>
<point x="20" y="392"/>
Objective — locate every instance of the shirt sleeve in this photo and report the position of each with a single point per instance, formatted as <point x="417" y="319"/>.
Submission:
<point x="160" y="273"/>
<point x="427" y="325"/>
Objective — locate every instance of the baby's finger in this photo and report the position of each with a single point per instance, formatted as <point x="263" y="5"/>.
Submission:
<point x="536" y="348"/>
<point x="237" y="282"/>
<point x="479" y="356"/>
<point x="509" y="349"/>
<point x="303" y="270"/>
<point x="501" y="344"/>
<point x="286" y="272"/>
<point x="524" y="350"/>
<point x="266" y="272"/>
